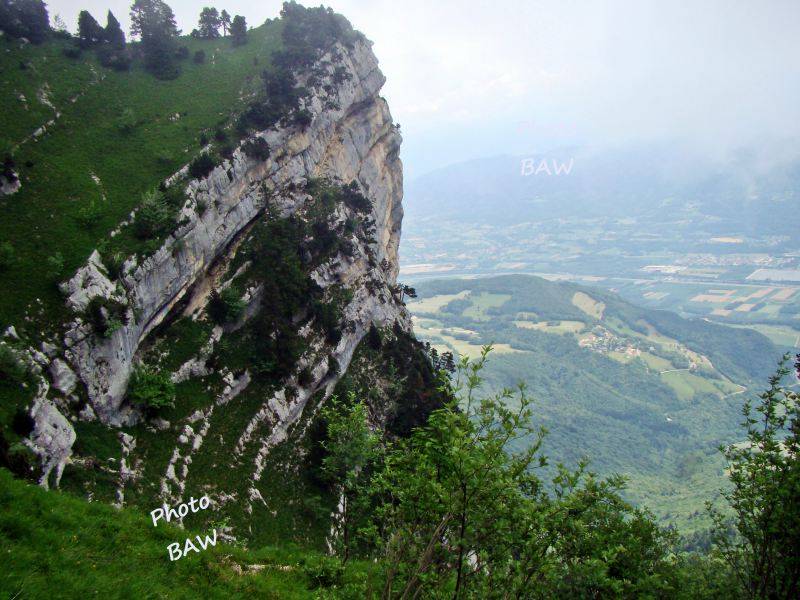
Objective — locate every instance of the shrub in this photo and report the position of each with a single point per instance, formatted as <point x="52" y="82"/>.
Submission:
<point x="226" y="150"/>
<point x="111" y="58"/>
<point x="256" y="147"/>
<point x="152" y="218"/>
<point x="106" y="316"/>
<point x="201" y="166"/>
<point x="182" y="53"/>
<point x="324" y="572"/>
<point x="72" y="52"/>
<point x="203" y="140"/>
<point x="151" y="390"/>
<point x="302" y="118"/>
<point x="7" y="255"/>
<point x="11" y="367"/>
<point x="55" y="265"/>
<point x="199" y="57"/>
<point x="126" y="122"/>
<point x="304" y="378"/>
<point x="90" y="215"/>
<point x="225" y="307"/>
<point x="114" y="265"/>
<point x="354" y="199"/>
<point x="220" y="135"/>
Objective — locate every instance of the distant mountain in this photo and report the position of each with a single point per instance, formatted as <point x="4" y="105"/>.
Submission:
<point x="752" y="192"/>
<point x="642" y="392"/>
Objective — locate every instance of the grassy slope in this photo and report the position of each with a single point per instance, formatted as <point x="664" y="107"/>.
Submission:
<point x="43" y="217"/>
<point x="55" y="545"/>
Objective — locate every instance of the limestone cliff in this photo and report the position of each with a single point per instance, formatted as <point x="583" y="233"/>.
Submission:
<point x="351" y="137"/>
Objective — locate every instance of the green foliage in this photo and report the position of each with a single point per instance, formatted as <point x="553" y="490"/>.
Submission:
<point x="765" y="473"/>
<point x="453" y="511"/>
<point x="91" y="214"/>
<point x="153" y="217"/>
<point x="201" y="166"/>
<point x="209" y="23"/>
<point x="199" y="58"/>
<point x="151" y="390"/>
<point x="106" y="316"/>
<point x="25" y="18"/>
<point x="351" y="449"/>
<point x="11" y="367"/>
<point x="239" y="30"/>
<point x="6" y="255"/>
<point x="55" y="266"/>
<point x="324" y="572"/>
<point x="256" y="147"/>
<point x="225" y="307"/>
<point x="127" y="121"/>
<point x="89" y="31"/>
<point x="154" y="22"/>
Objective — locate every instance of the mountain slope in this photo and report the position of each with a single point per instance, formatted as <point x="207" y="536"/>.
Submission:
<point x="190" y="351"/>
<point x="641" y="392"/>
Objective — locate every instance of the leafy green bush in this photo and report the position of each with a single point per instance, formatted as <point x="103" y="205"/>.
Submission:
<point x="324" y="572"/>
<point x="151" y="390"/>
<point x="199" y="57"/>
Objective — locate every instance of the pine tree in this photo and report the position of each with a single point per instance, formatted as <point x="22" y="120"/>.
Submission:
<point x="208" y="25"/>
<point x="225" y="21"/>
<point x="25" y="18"/>
<point x="89" y="31"/>
<point x="154" y="22"/>
<point x="239" y="30"/>
<point x="113" y="34"/>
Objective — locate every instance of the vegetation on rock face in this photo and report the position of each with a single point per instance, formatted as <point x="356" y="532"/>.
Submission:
<point x="151" y="390"/>
<point x="226" y="306"/>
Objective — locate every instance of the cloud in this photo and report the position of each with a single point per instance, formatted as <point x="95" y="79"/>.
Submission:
<point x="719" y="72"/>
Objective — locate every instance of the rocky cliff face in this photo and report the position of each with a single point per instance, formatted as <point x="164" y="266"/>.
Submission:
<point x="351" y="137"/>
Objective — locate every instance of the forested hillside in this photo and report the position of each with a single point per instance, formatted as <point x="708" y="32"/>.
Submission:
<point x="639" y="392"/>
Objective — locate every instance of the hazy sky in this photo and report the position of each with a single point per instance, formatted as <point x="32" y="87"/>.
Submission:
<point x="474" y="78"/>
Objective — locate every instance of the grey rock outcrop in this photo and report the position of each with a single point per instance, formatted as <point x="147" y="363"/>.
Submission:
<point x="351" y="137"/>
